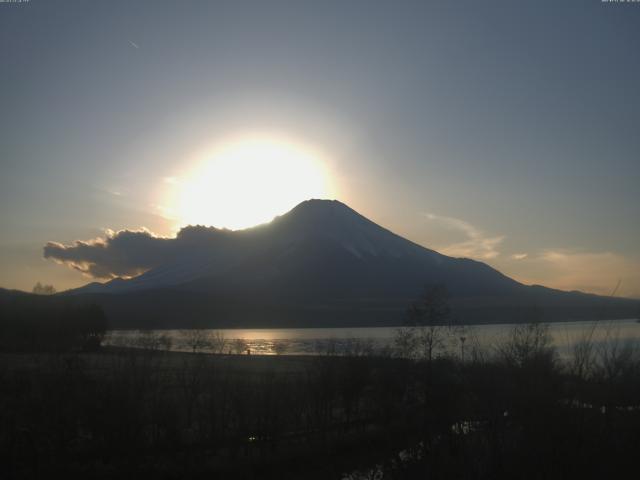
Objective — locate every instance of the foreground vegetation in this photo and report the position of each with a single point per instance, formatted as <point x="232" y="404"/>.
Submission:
<point x="514" y="411"/>
<point x="39" y="323"/>
<point x="433" y="405"/>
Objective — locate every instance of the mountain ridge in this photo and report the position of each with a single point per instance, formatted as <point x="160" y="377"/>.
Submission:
<point x="312" y="224"/>
<point x="319" y="262"/>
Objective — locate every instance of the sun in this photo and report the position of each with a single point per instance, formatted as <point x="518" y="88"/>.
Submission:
<point x="250" y="181"/>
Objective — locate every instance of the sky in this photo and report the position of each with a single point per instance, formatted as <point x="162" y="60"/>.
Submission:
<point x="497" y="130"/>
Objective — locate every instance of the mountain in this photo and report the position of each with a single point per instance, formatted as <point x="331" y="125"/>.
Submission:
<point x="319" y="246"/>
<point x="322" y="263"/>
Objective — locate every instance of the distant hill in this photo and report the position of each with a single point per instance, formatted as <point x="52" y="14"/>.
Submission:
<point x="322" y="263"/>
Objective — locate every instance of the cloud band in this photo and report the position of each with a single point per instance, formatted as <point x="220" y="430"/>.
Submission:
<point x="128" y="253"/>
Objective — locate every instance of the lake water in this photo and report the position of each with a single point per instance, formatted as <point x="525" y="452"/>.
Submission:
<point x="308" y="341"/>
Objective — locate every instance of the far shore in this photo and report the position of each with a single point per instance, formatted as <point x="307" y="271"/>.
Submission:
<point x="505" y="323"/>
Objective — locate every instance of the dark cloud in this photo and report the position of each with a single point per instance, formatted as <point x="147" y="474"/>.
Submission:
<point x="129" y="253"/>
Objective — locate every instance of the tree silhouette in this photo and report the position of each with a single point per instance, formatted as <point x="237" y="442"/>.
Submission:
<point x="427" y="316"/>
<point x="40" y="289"/>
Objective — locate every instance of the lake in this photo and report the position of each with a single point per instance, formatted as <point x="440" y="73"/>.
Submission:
<point x="309" y="341"/>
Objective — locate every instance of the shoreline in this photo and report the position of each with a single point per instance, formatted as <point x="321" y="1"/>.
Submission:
<point x="359" y="327"/>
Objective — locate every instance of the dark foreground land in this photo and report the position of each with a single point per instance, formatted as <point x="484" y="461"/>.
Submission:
<point x="514" y="413"/>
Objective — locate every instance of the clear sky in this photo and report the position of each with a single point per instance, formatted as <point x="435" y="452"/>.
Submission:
<point x="505" y="131"/>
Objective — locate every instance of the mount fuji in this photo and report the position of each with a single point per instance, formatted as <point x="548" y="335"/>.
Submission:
<point x="322" y="264"/>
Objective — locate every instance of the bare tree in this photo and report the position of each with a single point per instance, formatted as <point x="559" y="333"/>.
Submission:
<point x="583" y="360"/>
<point x="358" y="347"/>
<point x="150" y="340"/>
<point x="615" y="356"/>
<point x="528" y="344"/>
<point x="428" y="318"/>
<point x="218" y="342"/>
<point x="197" y="339"/>
<point x="405" y="342"/>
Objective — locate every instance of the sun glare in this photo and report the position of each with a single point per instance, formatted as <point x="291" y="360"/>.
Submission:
<point x="249" y="182"/>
